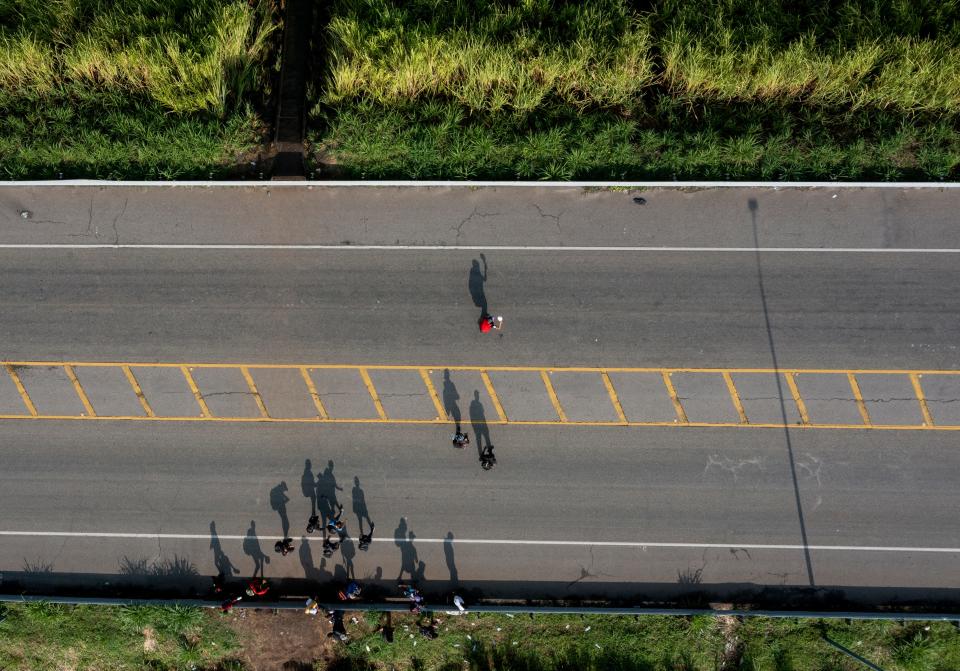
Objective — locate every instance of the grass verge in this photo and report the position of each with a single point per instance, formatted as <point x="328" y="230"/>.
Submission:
<point x="42" y="636"/>
<point x="131" y="88"/>
<point x="549" y="89"/>
<point x="558" y="642"/>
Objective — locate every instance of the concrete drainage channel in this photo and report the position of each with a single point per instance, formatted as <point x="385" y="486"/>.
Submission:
<point x="403" y="607"/>
<point x="291" y="116"/>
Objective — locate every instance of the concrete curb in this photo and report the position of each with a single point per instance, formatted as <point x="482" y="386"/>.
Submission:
<point x="480" y="184"/>
<point x="403" y="606"/>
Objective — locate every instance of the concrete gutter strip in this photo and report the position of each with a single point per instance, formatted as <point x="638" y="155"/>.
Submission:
<point x="481" y="184"/>
<point x="403" y="606"/>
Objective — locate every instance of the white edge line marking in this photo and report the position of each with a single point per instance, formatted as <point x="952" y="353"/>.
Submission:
<point x="502" y="248"/>
<point x="773" y="186"/>
<point x="486" y="541"/>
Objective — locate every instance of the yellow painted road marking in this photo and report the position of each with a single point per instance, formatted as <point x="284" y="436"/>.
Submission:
<point x="79" y="389"/>
<point x="682" y="419"/>
<point x="373" y="392"/>
<point x="253" y="390"/>
<point x="428" y="383"/>
<point x="317" y="403"/>
<point x="551" y="392"/>
<point x="21" y="389"/>
<point x="735" y="397"/>
<point x="855" y="387"/>
<point x="613" y="396"/>
<point x="921" y="399"/>
<point x="138" y="391"/>
<point x="204" y="410"/>
<point x="493" y="395"/>
<point x="536" y="369"/>
<point x="370" y="420"/>
<point x="795" y="392"/>
<point x="677" y="406"/>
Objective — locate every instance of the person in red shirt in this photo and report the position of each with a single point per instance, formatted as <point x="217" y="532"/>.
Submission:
<point x="489" y="323"/>
<point x="257" y="587"/>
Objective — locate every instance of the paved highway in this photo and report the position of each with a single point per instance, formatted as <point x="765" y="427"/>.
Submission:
<point x="586" y="510"/>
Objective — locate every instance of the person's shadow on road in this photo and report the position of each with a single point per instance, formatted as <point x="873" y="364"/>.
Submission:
<point x="476" y="281"/>
<point x="308" y="485"/>
<point x="251" y="548"/>
<point x="479" y="420"/>
<point x="451" y="563"/>
<point x="221" y="561"/>
<point x="360" y="506"/>
<point x="311" y="572"/>
<point x="327" y="489"/>
<point x="278" y="501"/>
<point x="409" y="562"/>
<point x="451" y="399"/>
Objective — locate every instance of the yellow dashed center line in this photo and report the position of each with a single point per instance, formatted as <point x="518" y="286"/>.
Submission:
<point x="552" y="393"/>
<point x="204" y="410"/>
<point x="373" y="393"/>
<point x="735" y="397"/>
<point x="253" y="390"/>
<point x="428" y="383"/>
<point x="795" y="392"/>
<point x="918" y="391"/>
<point x="671" y="390"/>
<point x="131" y="378"/>
<point x="613" y="396"/>
<point x="861" y="406"/>
<point x="698" y="376"/>
<point x="80" y="392"/>
<point x="22" y="391"/>
<point x="312" y="388"/>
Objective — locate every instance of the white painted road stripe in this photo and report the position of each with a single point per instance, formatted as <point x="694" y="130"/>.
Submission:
<point x="472" y="184"/>
<point x="489" y="541"/>
<point x="481" y="248"/>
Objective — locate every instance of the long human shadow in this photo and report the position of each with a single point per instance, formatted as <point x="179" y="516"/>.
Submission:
<point x="360" y="506"/>
<point x="327" y="489"/>
<point x="403" y="538"/>
<point x="279" y="501"/>
<point x="251" y="548"/>
<point x="451" y="398"/>
<point x="753" y="206"/>
<point x="348" y="551"/>
<point x="221" y="561"/>
<point x="311" y="572"/>
<point x="478" y="417"/>
<point x="475" y="283"/>
<point x="451" y="563"/>
<point x="308" y="485"/>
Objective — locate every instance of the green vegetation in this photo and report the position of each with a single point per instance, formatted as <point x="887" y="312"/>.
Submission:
<point x="130" y="88"/>
<point x="42" y="636"/>
<point x="555" y="642"/>
<point x="730" y="89"/>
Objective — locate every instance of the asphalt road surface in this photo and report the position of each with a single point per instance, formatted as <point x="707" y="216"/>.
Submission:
<point x="620" y="512"/>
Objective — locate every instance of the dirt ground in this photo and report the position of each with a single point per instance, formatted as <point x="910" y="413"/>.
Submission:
<point x="286" y="640"/>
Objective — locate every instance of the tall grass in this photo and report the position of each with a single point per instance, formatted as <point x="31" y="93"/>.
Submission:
<point x="53" y="636"/>
<point x="721" y="89"/>
<point x="488" y="56"/>
<point x="187" y="57"/>
<point x="130" y="88"/>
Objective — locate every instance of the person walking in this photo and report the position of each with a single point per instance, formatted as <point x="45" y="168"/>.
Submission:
<point x="364" y="541"/>
<point x="335" y="525"/>
<point x="284" y="547"/>
<point x="460" y="439"/>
